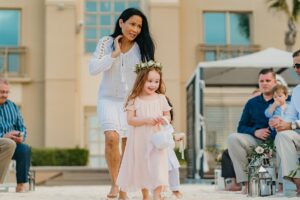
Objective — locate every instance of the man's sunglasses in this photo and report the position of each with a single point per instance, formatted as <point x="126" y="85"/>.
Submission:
<point x="297" y="65"/>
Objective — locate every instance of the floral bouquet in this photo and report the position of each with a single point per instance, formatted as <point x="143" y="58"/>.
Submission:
<point x="263" y="150"/>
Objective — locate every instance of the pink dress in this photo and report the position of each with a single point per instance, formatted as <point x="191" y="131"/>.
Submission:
<point x="144" y="166"/>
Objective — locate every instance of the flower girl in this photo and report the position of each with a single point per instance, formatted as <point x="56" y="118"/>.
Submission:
<point x="143" y="166"/>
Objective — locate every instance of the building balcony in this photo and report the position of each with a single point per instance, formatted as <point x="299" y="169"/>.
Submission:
<point x="221" y="52"/>
<point x="13" y="64"/>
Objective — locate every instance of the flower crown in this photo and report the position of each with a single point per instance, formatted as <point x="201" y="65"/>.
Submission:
<point x="146" y="65"/>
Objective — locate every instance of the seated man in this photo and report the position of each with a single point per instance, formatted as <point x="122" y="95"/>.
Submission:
<point x="7" y="149"/>
<point x="227" y="165"/>
<point x="287" y="141"/>
<point x="253" y="127"/>
<point x="12" y="127"/>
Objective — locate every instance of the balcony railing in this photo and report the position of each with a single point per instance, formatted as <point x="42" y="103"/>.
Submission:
<point x="220" y="52"/>
<point x="12" y="62"/>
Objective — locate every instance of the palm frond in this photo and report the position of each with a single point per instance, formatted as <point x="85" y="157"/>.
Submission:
<point x="296" y="10"/>
<point x="279" y="5"/>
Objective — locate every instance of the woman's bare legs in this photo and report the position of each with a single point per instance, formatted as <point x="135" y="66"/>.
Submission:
<point x="113" y="158"/>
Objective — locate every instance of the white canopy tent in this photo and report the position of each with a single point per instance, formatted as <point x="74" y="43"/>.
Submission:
<point x="243" y="70"/>
<point x="269" y="57"/>
<point x="238" y="71"/>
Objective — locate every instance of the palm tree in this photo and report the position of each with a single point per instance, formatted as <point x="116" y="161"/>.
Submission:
<point x="291" y="8"/>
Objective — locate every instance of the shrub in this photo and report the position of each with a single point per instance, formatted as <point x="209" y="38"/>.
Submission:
<point x="178" y="155"/>
<point x="59" y="157"/>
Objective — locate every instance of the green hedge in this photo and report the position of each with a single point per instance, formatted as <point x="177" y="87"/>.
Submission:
<point x="59" y="157"/>
<point x="178" y="155"/>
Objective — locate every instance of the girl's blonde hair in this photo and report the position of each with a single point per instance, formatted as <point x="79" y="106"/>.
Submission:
<point x="140" y="81"/>
<point x="280" y="88"/>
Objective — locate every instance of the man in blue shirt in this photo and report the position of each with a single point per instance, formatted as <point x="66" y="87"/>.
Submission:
<point x="287" y="141"/>
<point x="253" y="127"/>
<point x="13" y="128"/>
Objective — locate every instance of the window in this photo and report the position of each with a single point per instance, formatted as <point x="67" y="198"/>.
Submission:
<point x="100" y="19"/>
<point x="9" y="41"/>
<point x="220" y="122"/>
<point x="225" y="28"/>
<point x="215" y="28"/>
<point x="95" y="142"/>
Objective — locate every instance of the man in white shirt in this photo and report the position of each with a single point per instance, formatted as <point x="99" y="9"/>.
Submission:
<point x="287" y="140"/>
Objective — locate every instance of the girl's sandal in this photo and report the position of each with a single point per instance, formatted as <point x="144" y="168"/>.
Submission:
<point x="177" y="195"/>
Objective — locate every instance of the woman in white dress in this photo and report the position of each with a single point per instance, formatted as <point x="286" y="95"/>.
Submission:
<point x="116" y="56"/>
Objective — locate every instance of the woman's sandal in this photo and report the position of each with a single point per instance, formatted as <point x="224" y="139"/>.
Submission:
<point x="114" y="193"/>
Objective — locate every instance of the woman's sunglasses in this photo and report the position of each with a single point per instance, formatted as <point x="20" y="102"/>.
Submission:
<point x="297" y="65"/>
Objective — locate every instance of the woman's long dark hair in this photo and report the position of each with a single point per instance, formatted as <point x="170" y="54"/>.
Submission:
<point x="144" y="39"/>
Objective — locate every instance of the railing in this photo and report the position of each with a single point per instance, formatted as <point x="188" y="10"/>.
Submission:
<point x="12" y="62"/>
<point x="220" y="52"/>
